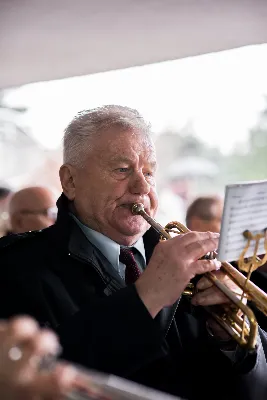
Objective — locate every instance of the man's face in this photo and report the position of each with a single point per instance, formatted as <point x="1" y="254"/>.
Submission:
<point x="37" y="219"/>
<point x="119" y="171"/>
<point x="213" y="224"/>
<point x="32" y="209"/>
<point x="201" y="225"/>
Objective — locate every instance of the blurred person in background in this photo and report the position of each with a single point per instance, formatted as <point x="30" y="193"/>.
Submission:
<point x="22" y="346"/>
<point x="205" y="214"/>
<point x="173" y="200"/>
<point x="5" y="194"/>
<point x="32" y="209"/>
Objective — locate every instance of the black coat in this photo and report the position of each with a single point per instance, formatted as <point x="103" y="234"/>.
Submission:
<point x="58" y="277"/>
<point x="259" y="277"/>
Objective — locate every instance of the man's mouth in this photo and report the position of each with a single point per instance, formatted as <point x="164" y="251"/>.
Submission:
<point x="130" y="205"/>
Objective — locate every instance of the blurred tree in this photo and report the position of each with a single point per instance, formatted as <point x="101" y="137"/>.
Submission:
<point x="10" y="125"/>
<point x="20" y="154"/>
<point x="174" y="146"/>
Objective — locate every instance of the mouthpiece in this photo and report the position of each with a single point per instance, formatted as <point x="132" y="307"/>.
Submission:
<point x="137" y="208"/>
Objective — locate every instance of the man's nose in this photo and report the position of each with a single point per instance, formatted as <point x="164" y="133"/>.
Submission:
<point x="139" y="184"/>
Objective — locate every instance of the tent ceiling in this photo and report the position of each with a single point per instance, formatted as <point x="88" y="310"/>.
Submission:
<point x="50" y="39"/>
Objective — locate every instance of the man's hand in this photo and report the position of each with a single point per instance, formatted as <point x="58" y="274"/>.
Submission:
<point x="173" y="264"/>
<point x="209" y="295"/>
<point x="22" y="346"/>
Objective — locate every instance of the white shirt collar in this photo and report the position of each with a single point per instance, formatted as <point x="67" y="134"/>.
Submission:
<point x="109" y="248"/>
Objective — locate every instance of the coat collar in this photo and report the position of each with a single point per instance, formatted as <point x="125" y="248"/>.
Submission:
<point x="68" y="230"/>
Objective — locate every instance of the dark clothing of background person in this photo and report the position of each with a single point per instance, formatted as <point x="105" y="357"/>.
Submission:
<point x="259" y="277"/>
<point x="57" y="276"/>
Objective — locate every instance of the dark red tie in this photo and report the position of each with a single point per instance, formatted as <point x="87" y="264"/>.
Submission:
<point x="132" y="272"/>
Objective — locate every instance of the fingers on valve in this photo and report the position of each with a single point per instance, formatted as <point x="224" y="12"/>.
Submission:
<point x="193" y="237"/>
<point x="199" y="248"/>
<point x="210" y="296"/>
<point x="205" y="283"/>
<point x="203" y="266"/>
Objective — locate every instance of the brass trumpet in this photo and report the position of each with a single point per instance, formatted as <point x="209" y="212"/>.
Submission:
<point x="243" y="330"/>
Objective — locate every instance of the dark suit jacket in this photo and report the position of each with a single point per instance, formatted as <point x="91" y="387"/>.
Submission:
<point x="58" y="277"/>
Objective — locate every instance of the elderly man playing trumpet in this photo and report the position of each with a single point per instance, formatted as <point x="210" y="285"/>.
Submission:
<point x="112" y="292"/>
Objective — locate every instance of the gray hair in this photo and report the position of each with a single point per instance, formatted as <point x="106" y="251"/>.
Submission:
<point x="81" y="131"/>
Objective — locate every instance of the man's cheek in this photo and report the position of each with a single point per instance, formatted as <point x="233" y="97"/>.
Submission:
<point x="154" y="203"/>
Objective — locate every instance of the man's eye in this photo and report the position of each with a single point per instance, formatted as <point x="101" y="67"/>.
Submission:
<point x="149" y="174"/>
<point x="122" y="170"/>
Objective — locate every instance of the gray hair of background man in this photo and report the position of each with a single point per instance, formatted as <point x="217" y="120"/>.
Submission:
<point x="81" y="131"/>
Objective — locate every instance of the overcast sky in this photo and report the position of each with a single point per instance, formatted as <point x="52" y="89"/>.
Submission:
<point x="221" y="93"/>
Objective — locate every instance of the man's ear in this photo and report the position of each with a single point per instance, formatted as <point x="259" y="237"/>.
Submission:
<point x="67" y="175"/>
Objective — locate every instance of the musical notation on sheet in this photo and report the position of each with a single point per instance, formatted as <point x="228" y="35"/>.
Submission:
<point x="245" y="208"/>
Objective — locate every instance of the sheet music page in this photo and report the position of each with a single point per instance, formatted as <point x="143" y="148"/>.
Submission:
<point x="245" y="208"/>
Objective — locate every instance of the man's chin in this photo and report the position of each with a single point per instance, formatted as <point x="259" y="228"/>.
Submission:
<point x="133" y="229"/>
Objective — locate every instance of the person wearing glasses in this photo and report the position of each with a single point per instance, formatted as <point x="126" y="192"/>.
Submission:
<point x="32" y="209"/>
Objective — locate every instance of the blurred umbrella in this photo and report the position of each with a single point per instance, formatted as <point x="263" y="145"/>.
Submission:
<point x="192" y="167"/>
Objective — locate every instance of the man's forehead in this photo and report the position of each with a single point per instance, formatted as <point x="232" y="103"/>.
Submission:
<point x="125" y="136"/>
<point x="150" y="159"/>
<point x="114" y="144"/>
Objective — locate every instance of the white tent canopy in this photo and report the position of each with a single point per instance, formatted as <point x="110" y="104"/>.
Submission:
<point x="50" y="39"/>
